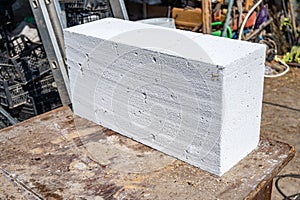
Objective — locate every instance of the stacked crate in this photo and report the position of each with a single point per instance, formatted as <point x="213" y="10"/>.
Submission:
<point x="81" y="12"/>
<point x="27" y="87"/>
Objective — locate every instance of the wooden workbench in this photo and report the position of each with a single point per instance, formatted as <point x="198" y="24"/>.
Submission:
<point x="60" y="156"/>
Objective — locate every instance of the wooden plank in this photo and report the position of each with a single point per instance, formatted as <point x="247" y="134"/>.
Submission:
<point x="265" y="192"/>
<point x="60" y="156"/>
<point x="9" y="190"/>
<point x="206" y="16"/>
<point x="187" y="18"/>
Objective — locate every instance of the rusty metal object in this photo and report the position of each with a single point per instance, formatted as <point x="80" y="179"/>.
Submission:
<point x="61" y="156"/>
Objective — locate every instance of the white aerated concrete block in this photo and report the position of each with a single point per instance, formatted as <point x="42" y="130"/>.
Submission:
<point x="195" y="97"/>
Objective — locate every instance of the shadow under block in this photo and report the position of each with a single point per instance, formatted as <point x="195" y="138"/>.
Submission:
<point x="195" y="97"/>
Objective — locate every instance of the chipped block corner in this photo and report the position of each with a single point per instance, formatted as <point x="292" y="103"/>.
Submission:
<point x="195" y="97"/>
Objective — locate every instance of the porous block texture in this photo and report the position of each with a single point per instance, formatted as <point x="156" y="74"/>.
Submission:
<point x="195" y="97"/>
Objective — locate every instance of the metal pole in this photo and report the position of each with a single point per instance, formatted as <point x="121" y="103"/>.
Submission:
<point x="8" y="116"/>
<point x="227" y="18"/>
<point x="52" y="38"/>
<point x="119" y="9"/>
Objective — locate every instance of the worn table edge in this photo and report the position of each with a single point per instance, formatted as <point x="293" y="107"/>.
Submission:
<point x="251" y="195"/>
<point x="269" y="178"/>
<point x="59" y="109"/>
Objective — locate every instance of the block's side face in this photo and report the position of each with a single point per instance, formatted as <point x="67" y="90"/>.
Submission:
<point x="242" y="103"/>
<point x="78" y="49"/>
<point x="169" y="103"/>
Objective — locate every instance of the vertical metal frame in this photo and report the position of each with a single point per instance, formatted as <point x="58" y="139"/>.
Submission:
<point x="51" y="34"/>
<point x="119" y="9"/>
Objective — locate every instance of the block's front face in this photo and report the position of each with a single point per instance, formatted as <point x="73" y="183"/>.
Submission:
<point x="169" y="103"/>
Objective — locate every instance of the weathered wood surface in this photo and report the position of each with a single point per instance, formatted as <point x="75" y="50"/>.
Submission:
<point x="206" y="16"/>
<point x="57" y="155"/>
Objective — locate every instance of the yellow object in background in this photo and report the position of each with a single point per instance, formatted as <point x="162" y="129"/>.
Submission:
<point x="293" y="56"/>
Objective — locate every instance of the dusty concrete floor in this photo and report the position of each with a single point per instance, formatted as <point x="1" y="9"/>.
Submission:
<point x="281" y="121"/>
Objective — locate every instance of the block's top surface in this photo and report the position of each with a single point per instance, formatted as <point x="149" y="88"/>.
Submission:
<point x="190" y="45"/>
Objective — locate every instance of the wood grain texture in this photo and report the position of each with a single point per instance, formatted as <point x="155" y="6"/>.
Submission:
<point x="55" y="155"/>
<point x="206" y="16"/>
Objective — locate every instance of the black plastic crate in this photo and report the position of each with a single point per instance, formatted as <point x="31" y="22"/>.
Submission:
<point x="17" y="94"/>
<point x="8" y="72"/>
<point x="20" y="46"/>
<point x="24" y="61"/>
<point x="27" y="87"/>
<point x="12" y="95"/>
<point x="39" y="105"/>
<point x="30" y="68"/>
<point x="81" y="13"/>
